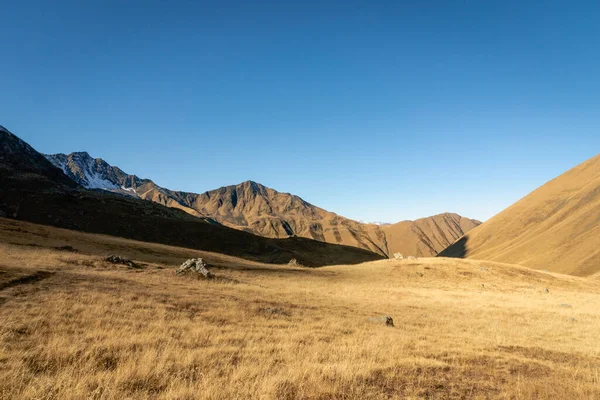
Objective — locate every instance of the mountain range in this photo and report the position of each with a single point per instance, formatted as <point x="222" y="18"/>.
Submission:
<point x="257" y="209"/>
<point x="556" y="227"/>
<point x="32" y="189"/>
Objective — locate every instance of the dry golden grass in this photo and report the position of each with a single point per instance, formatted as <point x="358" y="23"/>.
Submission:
<point x="556" y="227"/>
<point x="464" y="328"/>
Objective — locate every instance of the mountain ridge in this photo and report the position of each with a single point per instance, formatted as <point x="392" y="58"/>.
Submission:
<point x="255" y="208"/>
<point x="33" y="189"/>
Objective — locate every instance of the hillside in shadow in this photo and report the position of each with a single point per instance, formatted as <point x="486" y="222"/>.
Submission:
<point x="457" y="250"/>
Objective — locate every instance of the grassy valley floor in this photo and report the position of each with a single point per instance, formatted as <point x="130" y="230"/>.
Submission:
<point x="74" y="326"/>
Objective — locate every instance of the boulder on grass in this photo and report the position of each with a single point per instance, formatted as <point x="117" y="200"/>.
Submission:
<point x="195" y="265"/>
<point x="294" y="263"/>
<point x="122" y="261"/>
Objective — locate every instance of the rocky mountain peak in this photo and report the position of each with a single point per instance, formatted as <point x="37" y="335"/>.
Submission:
<point x="252" y="187"/>
<point x="258" y="209"/>
<point x="85" y="170"/>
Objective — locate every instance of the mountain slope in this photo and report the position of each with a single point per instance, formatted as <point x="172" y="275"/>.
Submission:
<point x="95" y="173"/>
<point x="22" y="166"/>
<point x="427" y="236"/>
<point x="556" y="227"/>
<point x="257" y="209"/>
<point x="34" y="190"/>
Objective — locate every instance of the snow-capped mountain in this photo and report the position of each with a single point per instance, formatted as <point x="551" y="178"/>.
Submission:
<point x="255" y="208"/>
<point x="95" y="173"/>
<point x="33" y="189"/>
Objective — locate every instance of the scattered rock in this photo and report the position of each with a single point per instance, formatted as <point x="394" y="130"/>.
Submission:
<point x="120" y="260"/>
<point x="294" y="263"/>
<point x="195" y="265"/>
<point x="483" y="269"/>
<point x="398" y="256"/>
<point x="546" y="290"/>
<point x="389" y="321"/>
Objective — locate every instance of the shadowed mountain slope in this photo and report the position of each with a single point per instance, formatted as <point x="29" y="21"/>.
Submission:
<point x="556" y="227"/>
<point x="254" y="208"/>
<point x="21" y="165"/>
<point x="34" y="190"/>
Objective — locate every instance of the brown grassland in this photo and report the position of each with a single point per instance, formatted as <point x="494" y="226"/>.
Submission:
<point x="73" y="326"/>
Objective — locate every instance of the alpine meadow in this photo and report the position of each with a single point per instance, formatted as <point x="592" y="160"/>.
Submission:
<point x="300" y="200"/>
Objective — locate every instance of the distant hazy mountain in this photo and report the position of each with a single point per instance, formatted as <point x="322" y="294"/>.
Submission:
<point x="556" y="227"/>
<point x="257" y="209"/>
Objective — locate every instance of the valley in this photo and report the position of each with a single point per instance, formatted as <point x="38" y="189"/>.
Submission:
<point x="186" y="189"/>
<point x="92" y="306"/>
<point x="463" y="328"/>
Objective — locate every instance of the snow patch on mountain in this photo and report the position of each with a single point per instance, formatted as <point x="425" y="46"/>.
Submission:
<point x="95" y="181"/>
<point x="58" y="163"/>
<point x="88" y="176"/>
<point x="132" y="190"/>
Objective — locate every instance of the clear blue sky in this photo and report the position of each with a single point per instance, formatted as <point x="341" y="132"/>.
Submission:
<point x="375" y="110"/>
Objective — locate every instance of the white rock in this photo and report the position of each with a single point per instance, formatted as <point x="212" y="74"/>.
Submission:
<point x="195" y="265"/>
